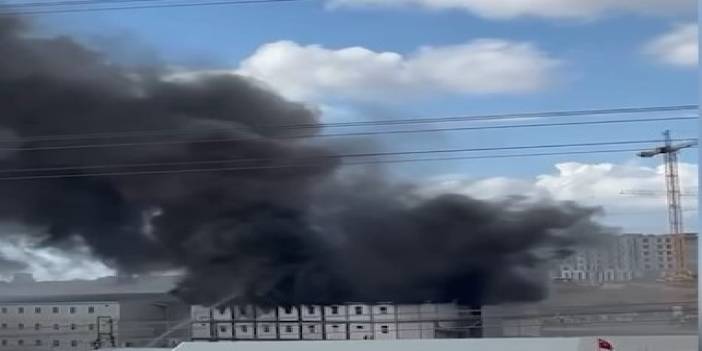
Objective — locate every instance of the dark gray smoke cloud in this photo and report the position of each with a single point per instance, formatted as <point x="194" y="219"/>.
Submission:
<point x="269" y="235"/>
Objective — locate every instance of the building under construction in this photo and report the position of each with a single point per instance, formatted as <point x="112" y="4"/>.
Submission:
<point x="352" y="321"/>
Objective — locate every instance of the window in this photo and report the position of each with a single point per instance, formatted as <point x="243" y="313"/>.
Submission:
<point x="74" y="343"/>
<point x="222" y="329"/>
<point x="56" y="327"/>
<point x="288" y="329"/>
<point x="266" y="329"/>
<point x="37" y="309"/>
<point x="91" y="326"/>
<point x="3" y="342"/>
<point x="56" y="343"/>
<point x="335" y="326"/>
<point x="4" y="310"/>
<point x="242" y="310"/>
<point x="72" y="310"/>
<point x="310" y="309"/>
<point x="73" y="326"/>
<point x="54" y="309"/>
<point x="669" y="252"/>
<point x="4" y="326"/>
<point x="20" y="342"/>
<point x="384" y="329"/>
<point x="37" y="326"/>
<point x="20" y="310"/>
<point x="383" y="309"/>
<point x="91" y="309"/>
<point x="288" y="310"/>
<point x="244" y="329"/>
<point x="359" y="327"/>
<point x="335" y="309"/>
<point x="311" y="328"/>
<point x="358" y="310"/>
<point x="37" y="342"/>
<point x="20" y="326"/>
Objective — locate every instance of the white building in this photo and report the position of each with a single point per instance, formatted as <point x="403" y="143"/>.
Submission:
<point x="75" y="315"/>
<point x="627" y="257"/>
<point x="57" y="326"/>
<point x="352" y="321"/>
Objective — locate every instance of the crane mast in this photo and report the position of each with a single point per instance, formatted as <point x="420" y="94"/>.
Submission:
<point x="672" y="183"/>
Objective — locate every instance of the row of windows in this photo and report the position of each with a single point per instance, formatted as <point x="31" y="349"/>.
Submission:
<point x="38" y="326"/>
<point x="311" y="310"/>
<point x="72" y="310"/>
<point x="289" y="329"/>
<point x="38" y="342"/>
<point x="658" y="239"/>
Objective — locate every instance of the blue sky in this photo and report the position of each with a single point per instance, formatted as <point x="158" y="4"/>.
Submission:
<point x="602" y="65"/>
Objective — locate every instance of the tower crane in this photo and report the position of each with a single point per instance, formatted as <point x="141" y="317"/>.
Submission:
<point x="672" y="182"/>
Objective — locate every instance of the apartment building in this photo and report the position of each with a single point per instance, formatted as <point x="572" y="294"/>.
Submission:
<point x="628" y="257"/>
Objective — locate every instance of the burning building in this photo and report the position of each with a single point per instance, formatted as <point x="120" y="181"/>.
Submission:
<point x="352" y="321"/>
<point x="219" y="177"/>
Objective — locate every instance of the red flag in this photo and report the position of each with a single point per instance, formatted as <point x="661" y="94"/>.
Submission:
<point x="604" y="345"/>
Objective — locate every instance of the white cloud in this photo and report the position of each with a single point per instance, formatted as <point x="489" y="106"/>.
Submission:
<point x="482" y="66"/>
<point x="679" y="47"/>
<point x="507" y="9"/>
<point x="49" y="263"/>
<point x="587" y="184"/>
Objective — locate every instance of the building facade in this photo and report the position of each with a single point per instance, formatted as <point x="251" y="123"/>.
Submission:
<point x="47" y="320"/>
<point x="57" y="326"/>
<point x="352" y="321"/>
<point x="628" y="257"/>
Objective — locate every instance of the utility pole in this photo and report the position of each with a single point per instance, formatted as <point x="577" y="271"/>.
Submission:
<point x="672" y="183"/>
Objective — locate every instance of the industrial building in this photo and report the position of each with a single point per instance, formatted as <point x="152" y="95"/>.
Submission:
<point x="351" y="321"/>
<point x="628" y="257"/>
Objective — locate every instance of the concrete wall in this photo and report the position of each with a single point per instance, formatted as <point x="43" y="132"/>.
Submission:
<point x="652" y="343"/>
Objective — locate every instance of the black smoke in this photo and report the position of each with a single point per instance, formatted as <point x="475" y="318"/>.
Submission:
<point x="262" y="232"/>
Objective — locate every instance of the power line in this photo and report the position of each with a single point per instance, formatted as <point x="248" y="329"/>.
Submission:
<point x="374" y="123"/>
<point x="9" y="5"/>
<point x="240" y="138"/>
<point x="69" y="3"/>
<point x="243" y="160"/>
<point x="142" y="7"/>
<point x="249" y="168"/>
<point x="191" y="163"/>
<point x="330" y="135"/>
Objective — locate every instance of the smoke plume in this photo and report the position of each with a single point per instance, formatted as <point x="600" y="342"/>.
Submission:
<point x="260" y="232"/>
